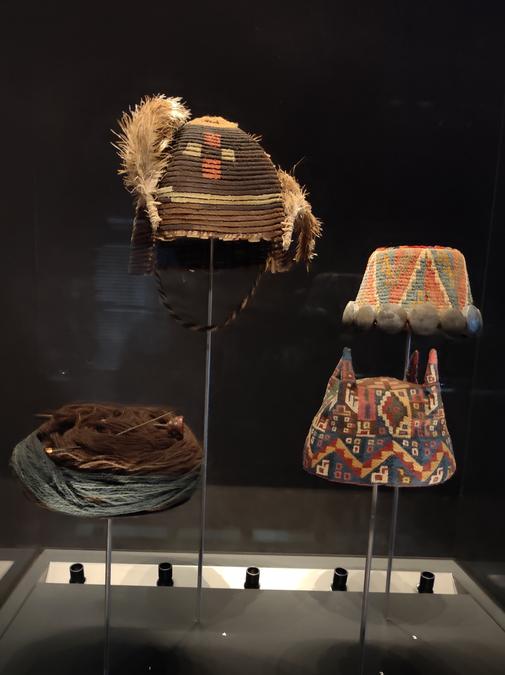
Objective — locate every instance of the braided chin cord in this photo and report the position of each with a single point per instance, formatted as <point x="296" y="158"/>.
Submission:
<point x="103" y="473"/>
<point x="202" y="328"/>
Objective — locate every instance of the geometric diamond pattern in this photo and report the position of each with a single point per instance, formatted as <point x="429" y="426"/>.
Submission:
<point x="381" y="430"/>
<point x="393" y="412"/>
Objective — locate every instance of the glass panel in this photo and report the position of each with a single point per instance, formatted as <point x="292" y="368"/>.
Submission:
<point x="397" y="112"/>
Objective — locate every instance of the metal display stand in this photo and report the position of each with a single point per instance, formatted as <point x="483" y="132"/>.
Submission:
<point x="371" y="536"/>
<point x="205" y="450"/>
<point x="201" y="548"/>
<point x="108" y="569"/>
<point x="396" y="490"/>
<point x="366" y="583"/>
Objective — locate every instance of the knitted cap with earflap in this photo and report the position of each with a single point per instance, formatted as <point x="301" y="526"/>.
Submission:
<point x="204" y="179"/>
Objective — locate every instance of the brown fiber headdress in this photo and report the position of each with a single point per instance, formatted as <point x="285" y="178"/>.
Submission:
<point x="104" y="460"/>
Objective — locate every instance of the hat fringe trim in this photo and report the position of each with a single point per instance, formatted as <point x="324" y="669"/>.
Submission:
<point x="199" y="234"/>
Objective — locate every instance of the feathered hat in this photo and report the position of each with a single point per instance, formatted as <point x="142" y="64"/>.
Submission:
<point x="205" y="178"/>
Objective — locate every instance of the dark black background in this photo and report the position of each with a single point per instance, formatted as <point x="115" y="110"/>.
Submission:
<point x="393" y="111"/>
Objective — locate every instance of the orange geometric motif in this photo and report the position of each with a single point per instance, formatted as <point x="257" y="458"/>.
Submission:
<point x="212" y="139"/>
<point x="211" y="168"/>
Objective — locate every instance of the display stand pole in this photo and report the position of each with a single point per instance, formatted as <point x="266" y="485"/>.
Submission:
<point x="366" y="583"/>
<point x="108" y="567"/>
<point x="396" y="492"/>
<point x="206" y="404"/>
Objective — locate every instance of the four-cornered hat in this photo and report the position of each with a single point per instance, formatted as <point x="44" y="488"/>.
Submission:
<point x="380" y="430"/>
<point x="208" y="179"/>
<point x="424" y="288"/>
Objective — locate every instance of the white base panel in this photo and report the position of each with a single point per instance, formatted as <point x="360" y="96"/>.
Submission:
<point x="271" y="578"/>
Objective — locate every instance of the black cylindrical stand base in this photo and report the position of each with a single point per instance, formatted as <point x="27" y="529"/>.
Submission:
<point x="77" y="574"/>
<point x="165" y="574"/>
<point x="426" y="582"/>
<point x="252" y="578"/>
<point x="339" y="579"/>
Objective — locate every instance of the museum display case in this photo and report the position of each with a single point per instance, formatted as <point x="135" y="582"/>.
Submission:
<point x="252" y="402"/>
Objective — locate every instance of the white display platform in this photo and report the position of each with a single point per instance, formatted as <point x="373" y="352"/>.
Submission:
<point x="271" y="578"/>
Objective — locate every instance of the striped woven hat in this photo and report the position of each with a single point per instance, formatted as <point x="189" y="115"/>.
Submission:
<point x="206" y="178"/>
<point x="421" y="288"/>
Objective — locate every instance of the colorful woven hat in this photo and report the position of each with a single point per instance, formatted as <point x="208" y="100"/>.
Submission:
<point x="424" y="288"/>
<point x="381" y="430"/>
<point x="206" y="178"/>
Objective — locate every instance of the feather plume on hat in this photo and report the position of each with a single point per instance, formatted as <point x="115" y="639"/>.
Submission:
<point x="146" y="133"/>
<point x="299" y="223"/>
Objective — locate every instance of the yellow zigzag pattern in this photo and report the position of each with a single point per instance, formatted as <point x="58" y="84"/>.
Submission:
<point x="365" y="468"/>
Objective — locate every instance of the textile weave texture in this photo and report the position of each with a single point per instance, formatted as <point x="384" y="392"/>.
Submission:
<point x="425" y="288"/>
<point x="381" y="430"/>
<point x="220" y="183"/>
<point x="98" y="460"/>
<point x="205" y="178"/>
